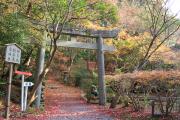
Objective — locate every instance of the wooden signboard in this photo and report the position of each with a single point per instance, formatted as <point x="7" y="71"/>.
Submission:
<point x="13" y="53"/>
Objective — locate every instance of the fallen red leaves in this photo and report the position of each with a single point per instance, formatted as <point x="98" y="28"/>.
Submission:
<point x="62" y="102"/>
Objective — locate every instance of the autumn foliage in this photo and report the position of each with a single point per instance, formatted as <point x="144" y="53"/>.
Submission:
<point x="161" y="86"/>
<point x="147" y="80"/>
<point x="144" y="77"/>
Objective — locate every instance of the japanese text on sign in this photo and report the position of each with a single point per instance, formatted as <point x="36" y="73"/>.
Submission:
<point x="13" y="54"/>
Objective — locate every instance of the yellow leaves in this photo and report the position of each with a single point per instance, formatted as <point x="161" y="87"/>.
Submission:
<point x="163" y="48"/>
<point x="9" y="7"/>
<point x="123" y="35"/>
<point x="96" y="26"/>
<point x="147" y="34"/>
<point x="109" y="41"/>
<point x="127" y="42"/>
<point x="166" y="54"/>
<point x="36" y="34"/>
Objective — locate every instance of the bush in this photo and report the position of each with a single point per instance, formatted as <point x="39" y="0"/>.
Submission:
<point x="110" y="94"/>
<point x="2" y="92"/>
<point x="155" y="83"/>
<point x="160" y="65"/>
<point x="80" y="75"/>
<point x="88" y="83"/>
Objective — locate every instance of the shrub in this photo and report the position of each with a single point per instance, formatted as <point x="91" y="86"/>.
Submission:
<point x="80" y="75"/>
<point x="161" y="84"/>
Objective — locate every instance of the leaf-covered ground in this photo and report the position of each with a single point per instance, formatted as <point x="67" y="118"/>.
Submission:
<point x="65" y="103"/>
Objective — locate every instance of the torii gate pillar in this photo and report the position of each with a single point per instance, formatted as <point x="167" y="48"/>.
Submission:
<point x="101" y="71"/>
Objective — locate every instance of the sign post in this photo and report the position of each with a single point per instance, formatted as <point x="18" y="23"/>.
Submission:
<point x="12" y="55"/>
<point x="24" y="89"/>
<point x="9" y="92"/>
<point x="22" y="93"/>
<point x="26" y="85"/>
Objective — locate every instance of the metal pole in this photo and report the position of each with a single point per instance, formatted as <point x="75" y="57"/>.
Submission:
<point x="25" y="98"/>
<point x="101" y="71"/>
<point x="7" y="114"/>
<point x="22" y="93"/>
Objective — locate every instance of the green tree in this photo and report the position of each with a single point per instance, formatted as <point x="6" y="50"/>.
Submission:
<point x="51" y="16"/>
<point x="14" y="28"/>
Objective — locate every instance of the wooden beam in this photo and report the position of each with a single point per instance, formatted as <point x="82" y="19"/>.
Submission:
<point x="69" y="30"/>
<point x="88" y="32"/>
<point x="81" y="45"/>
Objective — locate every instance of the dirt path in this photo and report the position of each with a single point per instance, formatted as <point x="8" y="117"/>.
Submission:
<point x="65" y="103"/>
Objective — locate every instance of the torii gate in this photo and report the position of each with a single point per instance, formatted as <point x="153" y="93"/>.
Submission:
<point x="98" y="35"/>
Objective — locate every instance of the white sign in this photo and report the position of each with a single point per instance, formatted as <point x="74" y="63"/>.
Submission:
<point x="27" y="84"/>
<point x="13" y="53"/>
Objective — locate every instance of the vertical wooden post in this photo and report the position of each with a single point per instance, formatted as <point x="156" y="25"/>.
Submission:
<point x="153" y="107"/>
<point x="25" y="97"/>
<point x="22" y="93"/>
<point x="101" y="71"/>
<point x="8" y="97"/>
<point x="178" y="100"/>
<point x="40" y="66"/>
